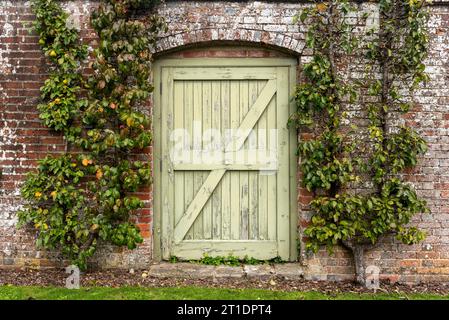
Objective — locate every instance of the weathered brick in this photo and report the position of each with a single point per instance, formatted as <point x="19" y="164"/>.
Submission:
<point x="23" y="138"/>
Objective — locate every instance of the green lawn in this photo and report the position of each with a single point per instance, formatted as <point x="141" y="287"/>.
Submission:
<point x="180" y="293"/>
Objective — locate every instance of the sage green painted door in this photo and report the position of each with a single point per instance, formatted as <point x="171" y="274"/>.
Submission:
<point x="224" y="170"/>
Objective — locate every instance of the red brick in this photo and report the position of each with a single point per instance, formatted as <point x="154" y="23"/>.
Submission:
<point x="27" y="70"/>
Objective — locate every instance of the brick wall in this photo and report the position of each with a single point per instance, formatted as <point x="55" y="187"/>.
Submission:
<point x="266" y="25"/>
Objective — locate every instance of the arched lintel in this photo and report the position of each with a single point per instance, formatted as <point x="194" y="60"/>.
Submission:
<point x="210" y="37"/>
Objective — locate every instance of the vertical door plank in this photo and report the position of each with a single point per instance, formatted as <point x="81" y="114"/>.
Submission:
<point x="226" y="181"/>
<point x="253" y="198"/>
<point x="157" y="160"/>
<point x="178" y="123"/>
<point x="272" y="146"/>
<point x="207" y="125"/>
<point x="283" y="232"/>
<point x="235" y="175"/>
<point x="262" y="176"/>
<point x="196" y="144"/>
<point x="167" y="169"/>
<point x="188" y="125"/>
<point x="244" y="176"/>
<point x="215" y="200"/>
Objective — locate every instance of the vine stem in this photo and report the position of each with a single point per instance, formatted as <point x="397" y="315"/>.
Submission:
<point x="385" y="42"/>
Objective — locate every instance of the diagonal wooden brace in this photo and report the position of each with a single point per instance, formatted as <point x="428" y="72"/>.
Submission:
<point x="215" y="176"/>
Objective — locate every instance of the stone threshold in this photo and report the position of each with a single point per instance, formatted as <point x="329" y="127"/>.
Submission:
<point x="186" y="270"/>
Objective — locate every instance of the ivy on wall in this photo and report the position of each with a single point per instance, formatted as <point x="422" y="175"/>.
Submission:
<point x="331" y="162"/>
<point x="83" y="196"/>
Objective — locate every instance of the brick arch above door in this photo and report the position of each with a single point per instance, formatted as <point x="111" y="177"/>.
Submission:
<point x="224" y="50"/>
<point x="211" y="36"/>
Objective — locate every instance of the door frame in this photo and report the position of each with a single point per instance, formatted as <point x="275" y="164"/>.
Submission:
<point x="291" y="63"/>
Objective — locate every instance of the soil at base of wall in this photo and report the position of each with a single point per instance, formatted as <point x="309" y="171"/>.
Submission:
<point x="119" y="278"/>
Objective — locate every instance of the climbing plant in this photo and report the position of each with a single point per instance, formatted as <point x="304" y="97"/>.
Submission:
<point x="331" y="161"/>
<point x="85" y="195"/>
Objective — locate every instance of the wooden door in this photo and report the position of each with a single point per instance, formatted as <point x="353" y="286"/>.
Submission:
<point x="224" y="159"/>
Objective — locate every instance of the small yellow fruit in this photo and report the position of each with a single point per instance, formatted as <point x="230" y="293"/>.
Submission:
<point x="52" y="53"/>
<point x="85" y="162"/>
<point x="41" y="42"/>
<point x="100" y="110"/>
<point x="38" y="194"/>
<point x="321" y="7"/>
<point x="65" y="81"/>
<point x="54" y="194"/>
<point x="130" y="122"/>
<point x="99" y="174"/>
<point x="57" y="101"/>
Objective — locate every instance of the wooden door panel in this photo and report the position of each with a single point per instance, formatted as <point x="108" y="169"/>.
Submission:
<point x="221" y="207"/>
